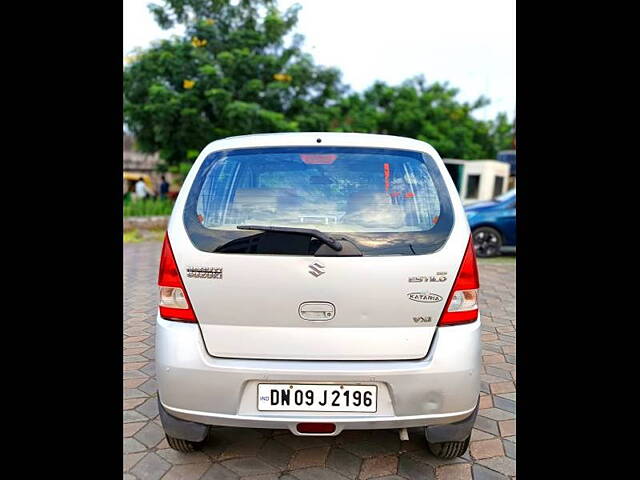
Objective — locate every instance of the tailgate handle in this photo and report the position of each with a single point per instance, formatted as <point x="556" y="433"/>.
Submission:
<point x="317" y="311"/>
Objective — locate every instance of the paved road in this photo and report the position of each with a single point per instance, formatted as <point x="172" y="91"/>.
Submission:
<point x="234" y="453"/>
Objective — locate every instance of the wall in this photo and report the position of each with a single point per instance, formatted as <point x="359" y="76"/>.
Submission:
<point x="134" y="161"/>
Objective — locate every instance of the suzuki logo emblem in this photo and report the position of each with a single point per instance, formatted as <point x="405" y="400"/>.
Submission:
<point x="315" y="269"/>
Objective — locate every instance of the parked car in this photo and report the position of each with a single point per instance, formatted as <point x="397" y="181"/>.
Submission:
<point x="318" y="282"/>
<point x="493" y="225"/>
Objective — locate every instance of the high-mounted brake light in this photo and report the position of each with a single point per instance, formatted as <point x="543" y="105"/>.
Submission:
<point x="174" y="302"/>
<point x="318" y="159"/>
<point x="462" y="305"/>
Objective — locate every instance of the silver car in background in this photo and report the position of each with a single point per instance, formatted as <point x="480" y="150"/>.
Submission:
<point x="318" y="282"/>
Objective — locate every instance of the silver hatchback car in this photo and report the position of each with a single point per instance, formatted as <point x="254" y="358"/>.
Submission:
<point x="319" y="282"/>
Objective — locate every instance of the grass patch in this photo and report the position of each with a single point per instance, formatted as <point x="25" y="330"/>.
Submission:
<point x="132" y="236"/>
<point x="148" y="207"/>
<point x="137" y="236"/>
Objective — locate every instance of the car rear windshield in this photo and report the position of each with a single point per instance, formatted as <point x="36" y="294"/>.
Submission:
<point x="383" y="201"/>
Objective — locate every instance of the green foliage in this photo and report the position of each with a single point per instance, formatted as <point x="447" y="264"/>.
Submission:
<point x="182" y="169"/>
<point x="426" y="112"/>
<point x="233" y="74"/>
<point x="147" y="207"/>
<point x="503" y="132"/>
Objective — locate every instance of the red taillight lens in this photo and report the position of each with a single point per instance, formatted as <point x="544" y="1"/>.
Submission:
<point x="462" y="305"/>
<point x="316" y="427"/>
<point x="174" y="302"/>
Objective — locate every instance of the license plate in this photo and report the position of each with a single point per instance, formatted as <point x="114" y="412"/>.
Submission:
<point x="317" y="398"/>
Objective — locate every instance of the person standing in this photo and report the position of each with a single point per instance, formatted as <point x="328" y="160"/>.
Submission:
<point x="164" y="188"/>
<point x="142" y="191"/>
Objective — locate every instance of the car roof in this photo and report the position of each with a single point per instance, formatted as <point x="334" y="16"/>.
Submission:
<point x="326" y="139"/>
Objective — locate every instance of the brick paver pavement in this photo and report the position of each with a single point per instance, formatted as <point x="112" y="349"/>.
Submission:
<point x="235" y="453"/>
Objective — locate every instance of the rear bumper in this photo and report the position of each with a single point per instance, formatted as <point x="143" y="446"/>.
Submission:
<point x="197" y="432"/>
<point x="440" y="389"/>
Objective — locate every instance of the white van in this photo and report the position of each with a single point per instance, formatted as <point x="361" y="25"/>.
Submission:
<point x="318" y="282"/>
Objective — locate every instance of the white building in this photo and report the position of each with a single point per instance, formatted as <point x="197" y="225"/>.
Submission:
<point x="135" y="161"/>
<point x="478" y="180"/>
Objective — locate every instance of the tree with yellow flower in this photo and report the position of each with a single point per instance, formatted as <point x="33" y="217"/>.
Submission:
<point x="197" y="42"/>
<point x="233" y="73"/>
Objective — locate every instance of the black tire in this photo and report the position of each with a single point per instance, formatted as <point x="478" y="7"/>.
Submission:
<point x="184" y="446"/>
<point x="487" y="242"/>
<point x="449" y="450"/>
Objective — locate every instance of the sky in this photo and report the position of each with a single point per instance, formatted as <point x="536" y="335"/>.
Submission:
<point x="469" y="43"/>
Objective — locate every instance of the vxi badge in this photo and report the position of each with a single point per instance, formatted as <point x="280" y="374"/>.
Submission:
<point x="422" y="319"/>
<point x="424" y="297"/>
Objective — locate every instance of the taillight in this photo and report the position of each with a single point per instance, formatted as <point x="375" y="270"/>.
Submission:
<point x="462" y="305"/>
<point x="174" y="302"/>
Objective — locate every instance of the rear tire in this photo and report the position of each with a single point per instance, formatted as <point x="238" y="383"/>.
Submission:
<point x="449" y="450"/>
<point x="487" y="242"/>
<point x="184" y="446"/>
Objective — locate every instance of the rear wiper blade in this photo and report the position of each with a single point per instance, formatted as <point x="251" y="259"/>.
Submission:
<point x="323" y="237"/>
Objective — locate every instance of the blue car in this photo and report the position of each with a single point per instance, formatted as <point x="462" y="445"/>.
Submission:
<point x="493" y="225"/>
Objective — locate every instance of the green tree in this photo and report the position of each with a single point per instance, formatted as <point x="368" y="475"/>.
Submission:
<point x="503" y="132"/>
<point x="426" y="112"/>
<point x="230" y="74"/>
